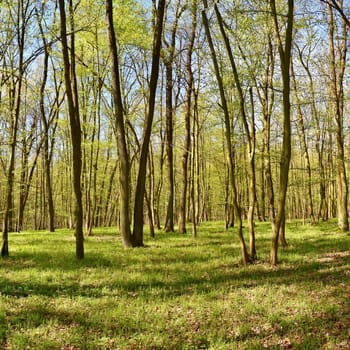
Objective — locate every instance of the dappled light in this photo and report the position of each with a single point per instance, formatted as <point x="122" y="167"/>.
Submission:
<point x="178" y="292"/>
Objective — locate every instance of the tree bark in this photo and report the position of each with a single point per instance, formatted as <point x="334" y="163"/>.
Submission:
<point x="319" y="134"/>
<point x="169" y="221"/>
<point x="304" y="149"/>
<point x="46" y="124"/>
<point x="141" y="177"/>
<point x="338" y="45"/>
<point x="124" y="178"/>
<point x="15" y="102"/>
<point x="74" y="120"/>
<point x="228" y="136"/>
<point x="168" y="58"/>
<point x="285" y="60"/>
<point x="250" y="134"/>
<point x="187" y="140"/>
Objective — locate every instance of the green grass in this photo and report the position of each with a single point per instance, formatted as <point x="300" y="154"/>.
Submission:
<point x="177" y="292"/>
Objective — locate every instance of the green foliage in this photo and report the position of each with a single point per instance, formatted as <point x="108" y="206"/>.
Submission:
<point x="178" y="292"/>
<point x="130" y="24"/>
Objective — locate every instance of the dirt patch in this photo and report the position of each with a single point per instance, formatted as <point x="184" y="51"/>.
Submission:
<point x="333" y="256"/>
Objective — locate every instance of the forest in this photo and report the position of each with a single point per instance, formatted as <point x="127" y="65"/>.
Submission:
<point x="173" y="113"/>
<point x="174" y="174"/>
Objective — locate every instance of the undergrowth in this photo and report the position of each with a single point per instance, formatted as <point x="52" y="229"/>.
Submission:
<point x="176" y="293"/>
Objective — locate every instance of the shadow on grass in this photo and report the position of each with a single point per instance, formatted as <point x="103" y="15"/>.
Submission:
<point x="167" y="280"/>
<point x="171" y="268"/>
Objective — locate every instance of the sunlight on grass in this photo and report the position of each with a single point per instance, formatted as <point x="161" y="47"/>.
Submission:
<point x="177" y="292"/>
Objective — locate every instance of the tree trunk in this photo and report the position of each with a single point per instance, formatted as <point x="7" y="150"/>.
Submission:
<point x="141" y="177"/>
<point x="124" y="178"/>
<point x="149" y="194"/>
<point x="304" y="149"/>
<point x="285" y="60"/>
<point x="27" y="168"/>
<point x="74" y="120"/>
<point x="319" y="133"/>
<point x="250" y="134"/>
<point x="15" y="112"/>
<point x="228" y="136"/>
<point x="168" y="58"/>
<point x="338" y="45"/>
<point x="46" y="124"/>
<point x="169" y="221"/>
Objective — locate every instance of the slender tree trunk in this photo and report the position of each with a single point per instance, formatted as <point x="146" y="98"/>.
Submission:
<point x="187" y="140"/>
<point x="304" y="148"/>
<point x="193" y="175"/>
<point x="75" y="128"/>
<point x="46" y="153"/>
<point x="228" y="135"/>
<point x="96" y="163"/>
<point x="285" y="58"/>
<point x="252" y="180"/>
<point x="337" y="69"/>
<point x="168" y="58"/>
<point x="150" y="194"/>
<point x="265" y="93"/>
<point x="141" y="178"/>
<point x="169" y="221"/>
<point x="319" y="133"/>
<point x="15" y="112"/>
<point x="27" y="169"/>
<point x="124" y="178"/>
<point x="250" y="134"/>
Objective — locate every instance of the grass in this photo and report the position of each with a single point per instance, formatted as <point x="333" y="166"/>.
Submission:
<point x="177" y="293"/>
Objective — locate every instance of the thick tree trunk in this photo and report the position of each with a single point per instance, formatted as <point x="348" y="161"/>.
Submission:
<point x="9" y="188"/>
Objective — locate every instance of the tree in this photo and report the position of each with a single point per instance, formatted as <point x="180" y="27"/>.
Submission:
<point x="48" y="121"/>
<point x="134" y="239"/>
<point x="304" y="146"/>
<point x="21" y="15"/>
<point x="68" y="54"/>
<point x="337" y="38"/>
<point x="188" y="112"/>
<point x="284" y="50"/>
<point x="124" y="178"/>
<point x="228" y="135"/>
<point x="249" y="128"/>
<point x="304" y="55"/>
<point x="141" y="176"/>
<point x="168" y="54"/>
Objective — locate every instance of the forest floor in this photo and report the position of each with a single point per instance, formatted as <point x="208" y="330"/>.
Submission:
<point x="176" y="293"/>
